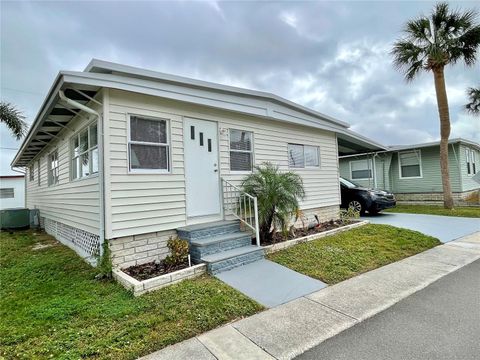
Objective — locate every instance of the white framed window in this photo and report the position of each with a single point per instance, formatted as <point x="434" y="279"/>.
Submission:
<point x="241" y="150"/>
<point x="38" y="172"/>
<point x="7" y="193"/>
<point x="148" y="144"/>
<point x="471" y="161"/>
<point x="361" y="169"/>
<point x="303" y="156"/>
<point x="53" y="168"/>
<point x="84" y="152"/>
<point x="31" y="172"/>
<point x="410" y="164"/>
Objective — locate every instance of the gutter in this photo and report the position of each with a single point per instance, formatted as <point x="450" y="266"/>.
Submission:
<point x="101" y="181"/>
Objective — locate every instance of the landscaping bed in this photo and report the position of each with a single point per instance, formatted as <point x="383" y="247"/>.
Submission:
<point x="336" y="258"/>
<point x="152" y="269"/>
<point x="461" y="211"/>
<point x="51" y="306"/>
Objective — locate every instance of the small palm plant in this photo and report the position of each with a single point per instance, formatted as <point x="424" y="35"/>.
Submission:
<point x="431" y="43"/>
<point x="13" y="119"/>
<point x="277" y="194"/>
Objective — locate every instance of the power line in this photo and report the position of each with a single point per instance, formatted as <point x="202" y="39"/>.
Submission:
<point x="8" y="148"/>
<point x="19" y="90"/>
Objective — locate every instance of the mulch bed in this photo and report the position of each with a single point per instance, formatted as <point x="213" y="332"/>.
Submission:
<point x="152" y="269"/>
<point x="322" y="227"/>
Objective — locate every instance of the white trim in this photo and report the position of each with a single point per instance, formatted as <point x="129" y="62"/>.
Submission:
<point x="369" y="161"/>
<point x="168" y="145"/>
<point x="89" y="151"/>
<point x="49" y="163"/>
<point x="252" y="152"/>
<point x="419" y="163"/>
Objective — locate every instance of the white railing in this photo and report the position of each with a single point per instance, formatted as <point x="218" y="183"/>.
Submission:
<point x="240" y="205"/>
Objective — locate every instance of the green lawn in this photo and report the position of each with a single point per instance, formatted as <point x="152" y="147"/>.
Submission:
<point x="336" y="258"/>
<point x="52" y="307"/>
<point x="464" y="211"/>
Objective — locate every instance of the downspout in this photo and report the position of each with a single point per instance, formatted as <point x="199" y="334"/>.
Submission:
<point x="100" y="162"/>
<point x="374" y="170"/>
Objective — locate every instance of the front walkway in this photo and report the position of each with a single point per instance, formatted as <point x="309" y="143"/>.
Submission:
<point x="270" y="284"/>
<point x="288" y="330"/>
<point x="444" y="228"/>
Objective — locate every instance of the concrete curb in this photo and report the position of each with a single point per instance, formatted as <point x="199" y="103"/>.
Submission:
<point x="290" y="329"/>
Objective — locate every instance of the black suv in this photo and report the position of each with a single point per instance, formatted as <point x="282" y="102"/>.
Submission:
<point x="364" y="199"/>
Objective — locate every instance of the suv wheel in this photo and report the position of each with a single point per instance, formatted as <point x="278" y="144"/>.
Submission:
<point x="357" y="206"/>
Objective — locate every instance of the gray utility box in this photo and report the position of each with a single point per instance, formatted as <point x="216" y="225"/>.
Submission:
<point x="15" y="219"/>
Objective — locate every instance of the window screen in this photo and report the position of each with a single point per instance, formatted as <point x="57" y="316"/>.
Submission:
<point x="7" y="193"/>
<point x="148" y="145"/>
<point x="410" y="164"/>
<point x="361" y="169"/>
<point x="241" y="150"/>
<point x="53" y="168"/>
<point x="302" y="156"/>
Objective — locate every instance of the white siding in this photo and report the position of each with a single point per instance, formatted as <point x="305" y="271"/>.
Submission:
<point x="74" y="203"/>
<point x="142" y="203"/>
<point x="18" y="186"/>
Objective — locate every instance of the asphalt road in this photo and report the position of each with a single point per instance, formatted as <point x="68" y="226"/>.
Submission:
<point x="441" y="321"/>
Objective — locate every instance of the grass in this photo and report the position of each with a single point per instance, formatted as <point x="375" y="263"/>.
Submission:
<point x="342" y="256"/>
<point x="465" y="211"/>
<point x="52" y="307"/>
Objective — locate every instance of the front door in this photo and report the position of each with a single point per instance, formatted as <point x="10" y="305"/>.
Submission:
<point x="201" y="168"/>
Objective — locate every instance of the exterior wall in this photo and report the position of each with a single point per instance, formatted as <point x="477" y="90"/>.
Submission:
<point x="436" y="198"/>
<point x="74" y="204"/>
<point x="18" y="186"/>
<point x="324" y="214"/>
<point x="148" y="203"/>
<point x="139" y="249"/>
<point x="467" y="182"/>
<point x="381" y="168"/>
<point x="431" y="180"/>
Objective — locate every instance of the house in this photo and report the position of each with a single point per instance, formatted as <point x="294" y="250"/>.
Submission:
<point x="412" y="172"/>
<point x="129" y="156"/>
<point x="12" y="191"/>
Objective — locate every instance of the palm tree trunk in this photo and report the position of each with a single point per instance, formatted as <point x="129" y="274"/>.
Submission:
<point x="442" y="103"/>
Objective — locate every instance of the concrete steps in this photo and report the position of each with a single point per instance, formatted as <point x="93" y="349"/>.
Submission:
<point x="221" y="245"/>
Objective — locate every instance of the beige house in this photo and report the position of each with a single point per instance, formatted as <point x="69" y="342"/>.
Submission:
<point x="128" y="155"/>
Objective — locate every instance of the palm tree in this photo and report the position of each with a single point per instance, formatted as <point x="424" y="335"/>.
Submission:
<point x="277" y="195"/>
<point x="13" y="119"/>
<point x="430" y="44"/>
<point x="473" y="106"/>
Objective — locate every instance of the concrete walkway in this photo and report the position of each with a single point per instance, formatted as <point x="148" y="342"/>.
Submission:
<point x="270" y="284"/>
<point x="444" y="228"/>
<point x="290" y="329"/>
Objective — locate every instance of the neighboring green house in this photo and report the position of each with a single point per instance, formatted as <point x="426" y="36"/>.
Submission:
<point x="412" y="172"/>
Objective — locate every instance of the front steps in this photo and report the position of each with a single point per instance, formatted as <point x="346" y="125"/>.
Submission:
<point x="221" y="245"/>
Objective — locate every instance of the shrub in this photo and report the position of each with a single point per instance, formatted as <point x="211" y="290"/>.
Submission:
<point x="178" y="252"/>
<point x="277" y="195"/>
<point x="104" y="262"/>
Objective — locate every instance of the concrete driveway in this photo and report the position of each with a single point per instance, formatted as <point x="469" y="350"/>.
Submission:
<point x="444" y="228"/>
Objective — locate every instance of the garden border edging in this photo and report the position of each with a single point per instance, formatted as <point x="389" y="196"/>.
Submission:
<point x="141" y="287"/>
<point x="269" y="249"/>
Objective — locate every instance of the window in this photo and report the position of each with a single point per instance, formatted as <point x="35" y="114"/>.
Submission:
<point x="38" y="172"/>
<point x="471" y="163"/>
<point x="31" y="172"/>
<point x="410" y="164"/>
<point x="361" y="169"/>
<point x="241" y="150"/>
<point x="148" y="144"/>
<point x="53" y="168"/>
<point x="303" y="156"/>
<point x="84" y="153"/>
<point x="7" y="193"/>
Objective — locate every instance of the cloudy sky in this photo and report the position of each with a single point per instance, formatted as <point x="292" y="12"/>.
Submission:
<point x="330" y="56"/>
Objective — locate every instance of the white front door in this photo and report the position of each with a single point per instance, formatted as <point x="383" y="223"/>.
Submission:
<point x="201" y="168"/>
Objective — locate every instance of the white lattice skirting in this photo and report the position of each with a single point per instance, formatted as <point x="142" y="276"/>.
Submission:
<point x="85" y="244"/>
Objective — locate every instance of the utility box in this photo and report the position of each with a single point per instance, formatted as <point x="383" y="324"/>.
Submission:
<point x="15" y="219"/>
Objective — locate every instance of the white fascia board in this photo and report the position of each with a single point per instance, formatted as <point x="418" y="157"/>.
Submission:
<point x="231" y="102"/>
<point x="96" y="66"/>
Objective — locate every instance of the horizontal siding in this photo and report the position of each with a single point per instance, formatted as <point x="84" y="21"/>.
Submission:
<point x="141" y="203"/>
<point x="75" y="203"/>
<point x="467" y="182"/>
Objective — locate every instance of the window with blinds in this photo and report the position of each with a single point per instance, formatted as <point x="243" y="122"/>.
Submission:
<point x="303" y="156"/>
<point x="241" y="150"/>
<point x="410" y="164"/>
<point x="7" y="193"/>
<point x="361" y="169"/>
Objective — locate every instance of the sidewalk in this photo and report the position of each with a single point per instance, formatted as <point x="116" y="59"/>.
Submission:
<point x="288" y="330"/>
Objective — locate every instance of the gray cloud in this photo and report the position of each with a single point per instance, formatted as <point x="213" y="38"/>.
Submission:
<point x="330" y="56"/>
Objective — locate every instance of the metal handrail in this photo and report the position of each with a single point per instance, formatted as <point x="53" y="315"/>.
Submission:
<point x="238" y="203"/>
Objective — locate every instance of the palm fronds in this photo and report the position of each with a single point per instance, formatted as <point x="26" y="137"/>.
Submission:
<point x="13" y="119"/>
